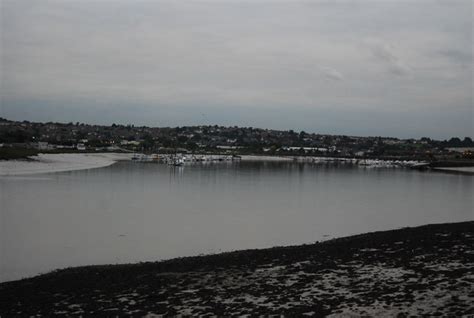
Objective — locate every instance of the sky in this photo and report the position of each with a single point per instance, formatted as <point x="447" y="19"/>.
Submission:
<point x="399" y="68"/>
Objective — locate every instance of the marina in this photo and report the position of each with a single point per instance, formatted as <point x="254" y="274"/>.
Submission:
<point x="181" y="159"/>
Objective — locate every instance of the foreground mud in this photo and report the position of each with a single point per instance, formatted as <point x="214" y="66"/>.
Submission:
<point x="427" y="270"/>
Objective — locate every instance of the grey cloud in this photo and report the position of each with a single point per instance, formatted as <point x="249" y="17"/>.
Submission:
<point x="385" y="53"/>
<point x="332" y="74"/>
<point x="230" y="57"/>
<point x="458" y="56"/>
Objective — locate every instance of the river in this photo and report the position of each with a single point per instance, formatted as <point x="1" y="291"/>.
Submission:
<point x="132" y="212"/>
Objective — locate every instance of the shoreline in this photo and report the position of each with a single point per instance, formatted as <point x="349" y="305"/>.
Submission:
<point x="466" y="170"/>
<point x="425" y="270"/>
<point x="61" y="162"/>
<point x="49" y="163"/>
<point x="265" y="158"/>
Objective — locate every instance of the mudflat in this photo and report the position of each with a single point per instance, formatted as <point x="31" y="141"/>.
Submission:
<point x="427" y="270"/>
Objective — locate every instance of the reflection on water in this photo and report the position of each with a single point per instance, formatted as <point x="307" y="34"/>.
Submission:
<point x="133" y="212"/>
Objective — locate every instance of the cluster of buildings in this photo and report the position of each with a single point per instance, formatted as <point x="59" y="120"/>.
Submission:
<point x="219" y="139"/>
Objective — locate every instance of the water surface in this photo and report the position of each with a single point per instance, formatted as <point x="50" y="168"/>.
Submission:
<point x="131" y="212"/>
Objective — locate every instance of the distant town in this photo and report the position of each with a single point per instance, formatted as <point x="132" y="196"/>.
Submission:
<point x="33" y="137"/>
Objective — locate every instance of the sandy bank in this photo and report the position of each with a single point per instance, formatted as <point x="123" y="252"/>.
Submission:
<point x="265" y="158"/>
<point x="422" y="271"/>
<point x="46" y="163"/>
<point x="456" y="169"/>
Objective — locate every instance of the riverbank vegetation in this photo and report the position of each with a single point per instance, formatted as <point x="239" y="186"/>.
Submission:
<point x="13" y="153"/>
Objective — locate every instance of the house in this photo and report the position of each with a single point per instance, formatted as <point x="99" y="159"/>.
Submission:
<point x="42" y="145"/>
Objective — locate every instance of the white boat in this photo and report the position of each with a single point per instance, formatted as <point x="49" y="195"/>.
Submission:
<point x="176" y="161"/>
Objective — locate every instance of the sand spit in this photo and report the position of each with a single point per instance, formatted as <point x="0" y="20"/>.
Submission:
<point x="469" y="170"/>
<point x="265" y="158"/>
<point x="46" y="163"/>
<point x="423" y="271"/>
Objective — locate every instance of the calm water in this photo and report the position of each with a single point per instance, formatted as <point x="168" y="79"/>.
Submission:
<point x="132" y="212"/>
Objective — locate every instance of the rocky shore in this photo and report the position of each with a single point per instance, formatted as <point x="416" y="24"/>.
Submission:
<point x="422" y="271"/>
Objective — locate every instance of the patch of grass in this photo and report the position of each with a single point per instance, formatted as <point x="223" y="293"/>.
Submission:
<point x="11" y="153"/>
<point x="454" y="163"/>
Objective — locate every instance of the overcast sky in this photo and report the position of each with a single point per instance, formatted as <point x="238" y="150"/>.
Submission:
<point x="391" y="68"/>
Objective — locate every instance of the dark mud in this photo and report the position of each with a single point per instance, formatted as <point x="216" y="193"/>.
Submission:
<point x="422" y="271"/>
